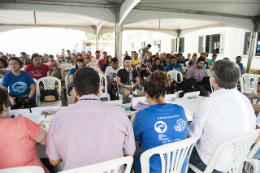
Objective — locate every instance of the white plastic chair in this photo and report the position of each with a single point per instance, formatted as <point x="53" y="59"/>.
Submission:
<point x="185" y="69"/>
<point x="178" y="150"/>
<point x="103" y="90"/>
<point x="174" y="76"/>
<point x="138" y="67"/>
<point x="242" y="144"/>
<point x="187" y="63"/>
<point x="36" y="92"/>
<point x="182" y="65"/>
<point x="66" y="66"/>
<point x="67" y="83"/>
<point x="209" y="72"/>
<point x="253" y="164"/>
<point x="107" y="166"/>
<point x="23" y="169"/>
<point x="246" y="84"/>
<point x="48" y="83"/>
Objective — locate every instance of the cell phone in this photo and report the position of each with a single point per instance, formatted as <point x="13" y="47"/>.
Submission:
<point x="143" y="66"/>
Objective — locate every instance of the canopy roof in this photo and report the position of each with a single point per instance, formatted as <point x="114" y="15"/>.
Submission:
<point x="99" y="16"/>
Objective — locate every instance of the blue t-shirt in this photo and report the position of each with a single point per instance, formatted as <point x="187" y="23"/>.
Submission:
<point x="72" y="71"/>
<point x="18" y="85"/>
<point x="75" y="49"/>
<point x="190" y="63"/>
<point x="156" y="126"/>
<point x="206" y="65"/>
<point x="152" y="69"/>
<point x="172" y="67"/>
<point x="241" y="67"/>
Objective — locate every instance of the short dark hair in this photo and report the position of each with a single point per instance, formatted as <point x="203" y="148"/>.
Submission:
<point x="4" y="62"/>
<point x="114" y="59"/>
<point x="104" y="52"/>
<point x="227" y="74"/>
<point x="4" y="57"/>
<point x="35" y="55"/>
<point x="51" y="56"/>
<point x="179" y="54"/>
<point x="80" y="60"/>
<point x="18" y="60"/>
<point x="45" y="54"/>
<point x="173" y="57"/>
<point x="23" y="53"/>
<point x="97" y="51"/>
<point x="86" y="81"/>
<point x="127" y="58"/>
<point x="148" y="45"/>
<point x="68" y="50"/>
<point x="214" y="54"/>
<point x="4" y="99"/>
<point x="201" y="59"/>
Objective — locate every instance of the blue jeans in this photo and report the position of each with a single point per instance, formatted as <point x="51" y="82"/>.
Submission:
<point x="197" y="162"/>
<point x="204" y="87"/>
<point x="257" y="154"/>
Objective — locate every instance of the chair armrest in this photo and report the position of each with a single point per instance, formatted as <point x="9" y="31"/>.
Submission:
<point x="194" y="168"/>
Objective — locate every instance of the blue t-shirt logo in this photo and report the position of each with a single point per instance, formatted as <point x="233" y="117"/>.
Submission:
<point x="181" y="125"/>
<point x="19" y="87"/>
<point x="160" y="127"/>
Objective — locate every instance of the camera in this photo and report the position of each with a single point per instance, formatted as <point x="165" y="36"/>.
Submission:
<point x="144" y="66"/>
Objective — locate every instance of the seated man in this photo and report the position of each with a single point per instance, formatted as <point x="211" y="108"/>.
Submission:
<point x="111" y="72"/>
<point x="136" y="60"/>
<point x="174" y="65"/>
<point x="225" y="114"/>
<point x="198" y="72"/>
<point x="89" y="131"/>
<point x="126" y="79"/>
<point x="179" y="59"/>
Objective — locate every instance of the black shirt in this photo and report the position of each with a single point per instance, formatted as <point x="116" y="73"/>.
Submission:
<point x="181" y="62"/>
<point x="124" y="75"/>
<point x="104" y="67"/>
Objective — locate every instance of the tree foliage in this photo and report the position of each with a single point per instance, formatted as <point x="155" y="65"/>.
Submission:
<point x="107" y="36"/>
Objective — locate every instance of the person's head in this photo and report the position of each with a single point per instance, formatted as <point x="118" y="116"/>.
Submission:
<point x="36" y="60"/>
<point x="15" y="64"/>
<point x="238" y="59"/>
<point x="3" y="63"/>
<point x="1" y="54"/>
<point x="104" y="55"/>
<point x="79" y="62"/>
<point x="153" y="58"/>
<point x="157" y="55"/>
<point x="76" y="45"/>
<point x="148" y="46"/>
<point x="68" y="52"/>
<point x="155" y="87"/>
<point x="4" y="57"/>
<point x="126" y="53"/>
<point x="13" y="55"/>
<point x="161" y="56"/>
<point x="4" y="101"/>
<point x="46" y="57"/>
<point x="62" y="58"/>
<point x="214" y="57"/>
<point x="194" y="57"/>
<point x="200" y="62"/>
<point x="114" y="63"/>
<point x="157" y="62"/>
<point x="80" y="54"/>
<point x="146" y="54"/>
<point x="203" y="54"/>
<point x="74" y="57"/>
<point x="148" y="63"/>
<point x="51" y="57"/>
<point x="135" y="55"/>
<point x="23" y="54"/>
<point x="188" y="56"/>
<point x="179" y="57"/>
<point x="174" y="61"/>
<point x="86" y="81"/>
<point x="108" y="59"/>
<point x="168" y="60"/>
<point x="127" y="61"/>
<point x="97" y="54"/>
<point x="225" y="74"/>
<point x="41" y="59"/>
<point x="89" y="53"/>
<point x="53" y="65"/>
<point x="85" y="56"/>
<point x="226" y="59"/>
<point x="23" y="59"/>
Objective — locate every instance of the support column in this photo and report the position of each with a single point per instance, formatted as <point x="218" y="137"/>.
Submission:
<point x="251" y="50"/>
<point x="178" y="41"/>
<point x="118" y="38"/>
<point x="97" y="42"/>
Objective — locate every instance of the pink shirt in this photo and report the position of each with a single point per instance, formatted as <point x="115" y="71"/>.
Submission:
<point x="17" y="147"/>
<point x="89" y="132"/>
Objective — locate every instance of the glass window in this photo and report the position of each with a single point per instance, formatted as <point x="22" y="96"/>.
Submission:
<point x="181" y="48"/>
<point x="212" y="43"/>
<point x="257" y="52"/>
<point x="246" y="43"/>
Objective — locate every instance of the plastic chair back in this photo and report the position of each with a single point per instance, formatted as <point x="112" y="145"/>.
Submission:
<point x="66" y="66"/>
<point x="107" y="166"/>
<point x="36" y="92"/>
<point x="23" y="169"/>
<point x="246" y="79"/>
<point x="174" y="75"/>
<point x="242" y="144"/>
<point x="172" y="155"/>
<point x="209" y="72"/>
<point x="67" y="83"/>
<point x="184" y="69"/>
<point x="96" y="68"/>
<point x="103" y="90"/>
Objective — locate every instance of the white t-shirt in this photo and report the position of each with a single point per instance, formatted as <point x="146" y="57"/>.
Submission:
<point x="23" y="68"/>
<point x="258" y="120"/>
<point x="95" y="60"/>
<point x="226" y="114"/>
<point x="111" y="73"/>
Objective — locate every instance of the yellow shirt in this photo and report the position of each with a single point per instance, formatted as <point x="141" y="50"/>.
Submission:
<point x="137" y="61"/>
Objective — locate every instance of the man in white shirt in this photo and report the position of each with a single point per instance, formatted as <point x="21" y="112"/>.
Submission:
<point x="97" y="58"/>
<point x="111" y="73"/>
<point x="226" y="114"/>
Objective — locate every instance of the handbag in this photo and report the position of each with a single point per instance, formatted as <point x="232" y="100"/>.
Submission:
<point x="49" y="96"/>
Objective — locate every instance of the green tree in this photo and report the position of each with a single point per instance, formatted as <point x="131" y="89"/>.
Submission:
<point x="107" y="36"/>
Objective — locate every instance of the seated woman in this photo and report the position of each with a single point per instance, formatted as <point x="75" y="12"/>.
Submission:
<point x="4" y="66"/>
<point x="108" y="62"/>
<point x="157" y="66"/>
<point x="160" y="118"/>
<point x="21" y="85"/>
<point x="79" y="64"/>
<point x="59" y="73"/>
<point x="62" y="60"/>
<point x="23" y="59"/>
<point x="17" y="146"/>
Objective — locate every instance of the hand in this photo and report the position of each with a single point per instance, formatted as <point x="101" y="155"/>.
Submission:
<point x="54" y="72"/>
<point x="114" y="84"/>
<point x="43" y="125"/>
<point x="256" y="107"/>
<point x="199" y="80"/>
<point x="12" y="100"/>
<point x="130" y="87"/>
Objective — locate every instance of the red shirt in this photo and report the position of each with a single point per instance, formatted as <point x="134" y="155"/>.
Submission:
<point x="37" y="72"/>
<point x="101" y="62"/>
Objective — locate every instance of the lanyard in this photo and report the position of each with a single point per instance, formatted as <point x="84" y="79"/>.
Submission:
<point x="88" y="99"/>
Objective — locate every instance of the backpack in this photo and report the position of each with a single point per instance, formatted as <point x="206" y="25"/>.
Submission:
<point x="49" y="96"/>
<point x="188" y="85"/>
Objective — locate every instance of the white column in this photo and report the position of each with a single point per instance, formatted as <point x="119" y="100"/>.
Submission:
<point x="118" y="38"/>
<point x="251" y="50"/>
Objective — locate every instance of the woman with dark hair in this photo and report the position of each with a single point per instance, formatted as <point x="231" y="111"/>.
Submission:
<point x="158" y="119"/>
<point x="62" y="60"/>
<point x="4" y="65"/>
<point x="108" y="62"/>
<point x="157" y="65"/>
<point x="21" y="85"/>
<point x="23" y="59"/>
<point x="79" y="64"/>
<point x="18" y="143"/>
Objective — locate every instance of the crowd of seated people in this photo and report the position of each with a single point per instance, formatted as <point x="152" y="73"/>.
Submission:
<point x="118" y="137"/>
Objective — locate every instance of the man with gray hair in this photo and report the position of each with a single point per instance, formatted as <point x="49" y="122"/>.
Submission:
<point x="226" y="114"/>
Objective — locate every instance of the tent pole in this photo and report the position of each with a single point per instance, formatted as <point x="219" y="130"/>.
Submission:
<point x="97" y="43"/>
<point x="251" y="50"/>
<point x="118" y="38"/>
<point x="178" y="41"/>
